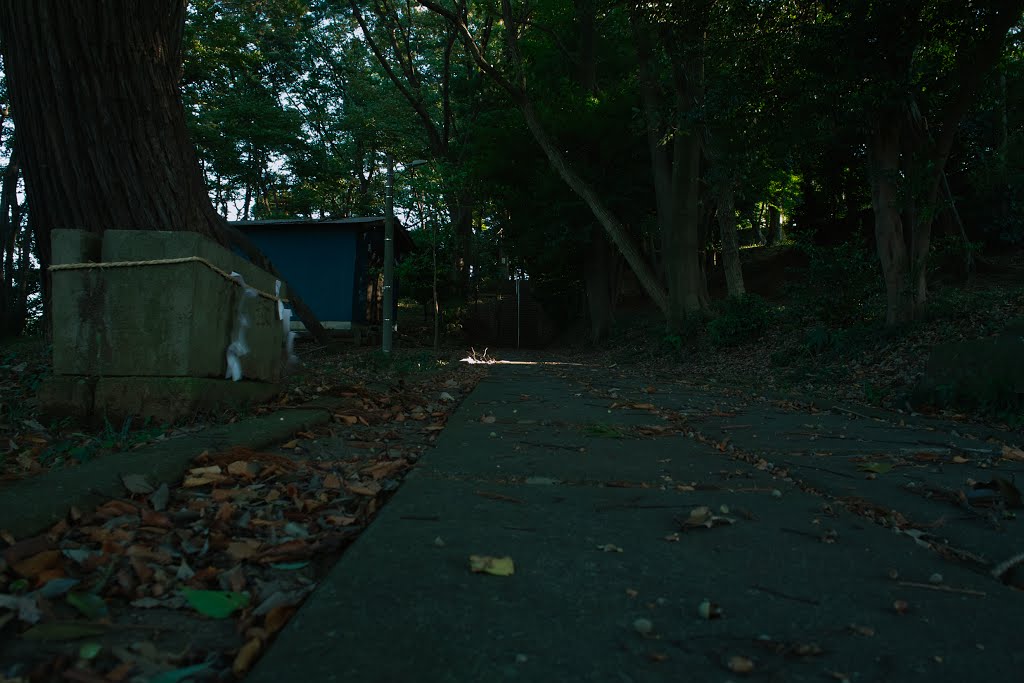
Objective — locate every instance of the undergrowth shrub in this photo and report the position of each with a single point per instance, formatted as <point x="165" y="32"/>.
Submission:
<point x="840" y="285"/>
<point x="741" y="320"/>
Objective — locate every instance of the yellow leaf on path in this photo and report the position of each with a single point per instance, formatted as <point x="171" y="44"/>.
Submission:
<point x="246" y="657"/>
<point x="294" y="443"/>
<point x="486" y="564"/>
<point x="331" y="481"/>
<point x="959" y="459"/>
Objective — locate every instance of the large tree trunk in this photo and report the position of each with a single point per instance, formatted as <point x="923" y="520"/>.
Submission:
<point x="687" y="284"/>
<point x="94" y="90"/>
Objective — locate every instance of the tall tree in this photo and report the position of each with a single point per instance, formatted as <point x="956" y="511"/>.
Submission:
<point x="919" y="65"/>
<point x="516" y="89"/>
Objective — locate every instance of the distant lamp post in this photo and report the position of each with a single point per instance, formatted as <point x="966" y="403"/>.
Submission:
<point x="387" y="335"/>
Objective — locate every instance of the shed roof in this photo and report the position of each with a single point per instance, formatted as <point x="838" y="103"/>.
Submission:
<point x="403" y="242"/>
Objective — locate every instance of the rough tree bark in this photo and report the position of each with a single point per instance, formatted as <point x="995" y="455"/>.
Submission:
<point x="94" y="90"/>
<point x="889" y="230"/>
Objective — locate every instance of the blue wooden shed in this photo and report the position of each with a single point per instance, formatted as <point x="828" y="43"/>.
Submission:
<point x="328" y="263"/>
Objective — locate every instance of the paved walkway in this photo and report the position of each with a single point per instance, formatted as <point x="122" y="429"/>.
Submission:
<point x="811" y="579"/>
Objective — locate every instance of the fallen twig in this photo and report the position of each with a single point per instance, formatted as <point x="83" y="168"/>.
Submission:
<point x="1000" y="570"/>
<point x="787" y="596"/>
<point x="498" y="496"/>
<point x="944" y="589"/>
<point x="851" y="412"/>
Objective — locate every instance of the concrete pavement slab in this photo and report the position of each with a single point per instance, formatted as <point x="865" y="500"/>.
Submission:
<point x="608" y="585"/>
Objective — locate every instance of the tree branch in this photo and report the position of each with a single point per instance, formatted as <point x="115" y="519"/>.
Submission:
<point x="473" y="49"/>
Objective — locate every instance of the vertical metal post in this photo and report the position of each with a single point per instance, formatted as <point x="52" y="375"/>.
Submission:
<point x="389" y="257"/>
<point x="518" y="304"/>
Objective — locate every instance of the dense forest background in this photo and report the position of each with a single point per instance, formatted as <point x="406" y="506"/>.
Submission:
<point x="618" y="156"/>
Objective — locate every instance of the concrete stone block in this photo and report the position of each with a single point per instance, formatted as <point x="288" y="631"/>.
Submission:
<point x="65" y="396"/>
<point x="164" y="320"/>
<point x="977" y="372"/>
<point x="166" y="399"/>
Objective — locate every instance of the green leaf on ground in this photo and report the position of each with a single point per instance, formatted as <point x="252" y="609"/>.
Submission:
<point x="876" y="467"/>
<point x="179" y="675"/>
<point x="215" y="604"/>
<point x="90" y="605"/>
<point x="605" y="431"/>
<point x="89" y="650"/>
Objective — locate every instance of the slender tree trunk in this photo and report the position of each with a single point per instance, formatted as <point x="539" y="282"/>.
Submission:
<point x="598" y="276"/>
<point x="775" y="233"/>
<point x="889" y="230"/>
<point x="1002" y="147"/>
<point x="730" y="243"/>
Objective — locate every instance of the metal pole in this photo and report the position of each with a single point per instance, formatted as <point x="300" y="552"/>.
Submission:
<point x="389" y="256"/>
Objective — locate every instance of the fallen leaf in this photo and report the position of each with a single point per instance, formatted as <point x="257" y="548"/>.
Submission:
<point x="290" y="445"/>
<point x="740" y="665"/>
<point x="370" y="488"/>
<point x="136" y="483"/>
<point x="35" y="565"/>
<point x="180" y="675"/>
<point x="203" y="480"/>
<point x="610" y="548"/>
<point x="875" y="467"/>
<point x="332" y="481"/>
<point x="486" y="564"/>
<point x="90" y="605"/>
<point x="243" y="550"/>
<point x="215" y="604"/>
<point x="277" y="617"/>
<point x="385" y="468"/>
<point x="246" y="657"/>
<point x="703" y="517"/>
<point x="1013" y="453"/>
<point x="160" y="497"/>
<point x="340" y="520"/>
